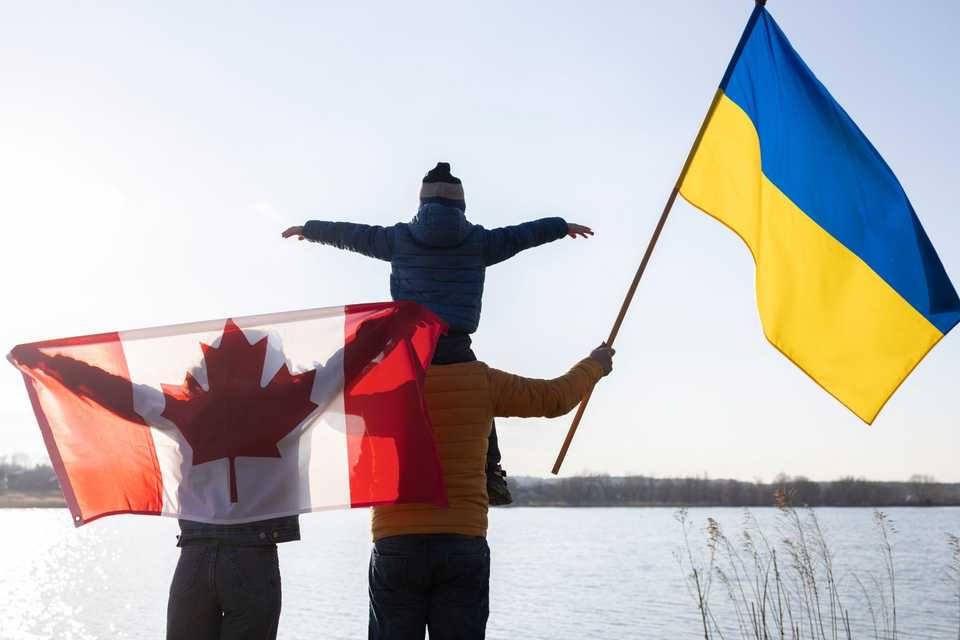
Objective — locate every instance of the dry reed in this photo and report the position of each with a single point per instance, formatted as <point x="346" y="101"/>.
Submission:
<point x="789" y="589"/>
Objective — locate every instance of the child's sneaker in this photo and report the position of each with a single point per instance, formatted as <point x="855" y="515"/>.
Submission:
<point x="497" y="489"/>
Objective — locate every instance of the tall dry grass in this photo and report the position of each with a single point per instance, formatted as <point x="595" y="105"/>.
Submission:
<point x="788" y="588"/>
<point x="954" y="572"/>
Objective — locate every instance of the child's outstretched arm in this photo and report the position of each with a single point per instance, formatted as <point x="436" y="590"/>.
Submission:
<point x="506" y="242"/>
<point x="370" y="240"/>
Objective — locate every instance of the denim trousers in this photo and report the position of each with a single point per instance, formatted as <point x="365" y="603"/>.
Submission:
<point x="224" y="592"/>
<point x="435" y="582"/>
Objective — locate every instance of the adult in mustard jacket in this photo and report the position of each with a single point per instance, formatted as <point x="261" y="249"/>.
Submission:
<point x="430" y="567"/>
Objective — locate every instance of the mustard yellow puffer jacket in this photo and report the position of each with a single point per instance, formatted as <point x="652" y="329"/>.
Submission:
<point x="462" y="400"/>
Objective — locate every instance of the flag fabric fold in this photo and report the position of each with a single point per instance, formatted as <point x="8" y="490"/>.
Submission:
<point x="849" y="286"/>
<point x="237" y="420"/>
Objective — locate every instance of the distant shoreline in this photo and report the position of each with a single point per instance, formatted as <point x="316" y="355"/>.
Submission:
<point x="56" y="502"/>
<point x="27" y="501"/>
<point x="37" y="487"/>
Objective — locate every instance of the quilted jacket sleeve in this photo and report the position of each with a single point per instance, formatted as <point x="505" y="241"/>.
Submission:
<point x="515" y="396"/>
<point x="504" y="243"/>
<point x="371" y="241"/>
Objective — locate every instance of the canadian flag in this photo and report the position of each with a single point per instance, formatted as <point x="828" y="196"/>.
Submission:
<point x="236" y="420"/>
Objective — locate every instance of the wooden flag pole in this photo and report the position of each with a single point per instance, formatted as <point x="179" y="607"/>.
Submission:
<point x="643" y="265"/>
<point x="619" y="321"/>
<point x="636" y="278"/>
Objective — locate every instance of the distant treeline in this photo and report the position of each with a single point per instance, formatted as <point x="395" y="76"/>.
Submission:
<point x="635" y="491"/>
<point x="36" y="480"/>
<point x="627" y="491"/>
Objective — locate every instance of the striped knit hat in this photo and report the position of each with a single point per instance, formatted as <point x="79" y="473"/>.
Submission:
<point x="441" y="187"/>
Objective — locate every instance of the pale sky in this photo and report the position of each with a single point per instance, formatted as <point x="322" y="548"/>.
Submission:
<point x="151" y="153"/>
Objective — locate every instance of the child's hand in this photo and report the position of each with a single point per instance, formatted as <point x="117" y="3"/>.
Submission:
<point x="293" y="231"/>
<point x="578" y="230"/>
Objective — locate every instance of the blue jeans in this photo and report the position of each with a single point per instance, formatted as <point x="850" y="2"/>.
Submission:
<point x="224" y="592"/>
<point x="439" y="582"/>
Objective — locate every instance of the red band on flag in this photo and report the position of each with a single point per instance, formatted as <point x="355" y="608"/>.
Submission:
<point x="384" y="406"/>
<point x="102" y="449"/>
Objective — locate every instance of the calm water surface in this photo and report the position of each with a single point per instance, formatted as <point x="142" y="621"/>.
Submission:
<point x="557" y="573"/>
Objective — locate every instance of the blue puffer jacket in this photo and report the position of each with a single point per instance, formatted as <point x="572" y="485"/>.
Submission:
<point x="438" y="259"/>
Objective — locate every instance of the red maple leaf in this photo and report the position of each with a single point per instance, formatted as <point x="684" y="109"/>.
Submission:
<point x="236" y="416"/>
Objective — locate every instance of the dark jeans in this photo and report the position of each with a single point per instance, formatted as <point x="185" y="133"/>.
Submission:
<point x="224" y="592"/>
<point x="452" y="349"/>
<point x="438" y="582"/>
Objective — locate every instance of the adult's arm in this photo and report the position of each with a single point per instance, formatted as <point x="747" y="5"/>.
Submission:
<point x="504" y="243"/>
<point x="516" y="396"/>
<point x="112" y="392"/>
<point x="370" y="240"/>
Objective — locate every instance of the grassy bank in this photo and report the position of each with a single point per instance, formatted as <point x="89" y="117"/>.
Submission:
<point x="31" y="501"/>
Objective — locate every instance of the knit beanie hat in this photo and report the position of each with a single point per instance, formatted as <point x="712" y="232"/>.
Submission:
<point x="441" y="187"/>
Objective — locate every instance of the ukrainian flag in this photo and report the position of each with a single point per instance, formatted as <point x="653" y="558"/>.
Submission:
<point x="849" y="287"/>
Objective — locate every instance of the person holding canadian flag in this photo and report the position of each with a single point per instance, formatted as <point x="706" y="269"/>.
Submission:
<point x="235" y="426"/>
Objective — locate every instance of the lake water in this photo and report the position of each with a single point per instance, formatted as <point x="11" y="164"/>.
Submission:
<point x="556" y="573"/>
